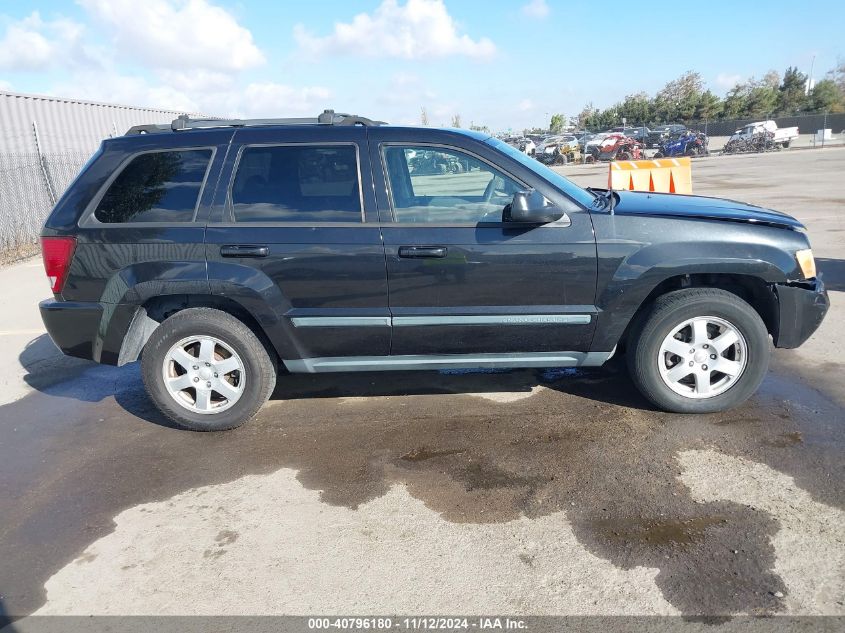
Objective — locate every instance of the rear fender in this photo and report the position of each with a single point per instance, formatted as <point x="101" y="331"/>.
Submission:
<point x="252" y="293"/>
<point x="256" y="293"/>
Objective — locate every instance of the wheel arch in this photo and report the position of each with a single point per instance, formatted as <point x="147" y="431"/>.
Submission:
<point x="150" y="314"/>
<point x="755" y="291"/>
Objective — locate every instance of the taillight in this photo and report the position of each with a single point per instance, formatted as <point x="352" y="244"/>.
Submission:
<point x="57" y="253"/>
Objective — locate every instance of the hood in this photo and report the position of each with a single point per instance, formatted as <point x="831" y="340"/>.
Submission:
<point x="700" y="207"/>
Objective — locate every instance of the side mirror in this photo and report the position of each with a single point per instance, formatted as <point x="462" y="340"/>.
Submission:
<point x="532" y="207"/>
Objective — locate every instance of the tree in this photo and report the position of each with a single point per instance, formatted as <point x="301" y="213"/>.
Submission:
<point x="423" y="116"/>
<point x="734" y="105"/>
<point x="677" y="100"/>
<point x="709" y="107"/>
<point x="761" y="100"/>
<point x="826" y="97"/>
<point x="557" y="123"/>
<point x="838" y="74"/>
<point x="636" y="109"/>
<point x="771" y="79"/>
<point x="791" y="97"/>
<point x="585" y="115"/>
<point x="456" y="120"/>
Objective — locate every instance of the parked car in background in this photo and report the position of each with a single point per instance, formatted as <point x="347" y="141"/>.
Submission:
<point x="558" y="150"/>
<point x="775" y="137"/>
<point x="583" y="139"/>
<point x="521" y="143"/>
<point x="659" y="133"/>
<point x="687" y="143"/>
<point x="639" y="134"/>
<point x="225" y="254"/>
<point x="526" y="146"/>
<point x="594" y="141"/>
<point x="615" y="146"/>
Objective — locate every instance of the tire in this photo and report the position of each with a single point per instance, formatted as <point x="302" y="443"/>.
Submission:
<point x="623" y="156"/>
<point x="651" y="332"/>
<point x="658" y="155"/>
<point x="785" y="145"/>
<point x="251" y="382"/>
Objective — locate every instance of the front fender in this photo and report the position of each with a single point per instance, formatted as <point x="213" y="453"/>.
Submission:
<point x="629" y="270"/>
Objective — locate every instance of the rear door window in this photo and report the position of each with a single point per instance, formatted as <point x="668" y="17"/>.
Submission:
<point x="297" y="183"/>
<point x="156" y="187"/>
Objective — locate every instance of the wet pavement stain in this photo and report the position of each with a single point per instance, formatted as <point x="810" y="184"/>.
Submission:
<point x="785" y="439"/>
<point x="672" y="532"/>
<point x="588" y="446"/>
<point x="424" y="454"/>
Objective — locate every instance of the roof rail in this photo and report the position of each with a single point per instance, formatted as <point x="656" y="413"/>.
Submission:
<point x="184" y="122"/>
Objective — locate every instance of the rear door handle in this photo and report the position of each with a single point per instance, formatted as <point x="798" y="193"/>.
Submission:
<point x="419" y="252"/>
<point x="244" y="250"/>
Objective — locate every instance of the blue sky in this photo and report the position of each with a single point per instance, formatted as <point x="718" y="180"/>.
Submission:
<point x="503" y="64"/>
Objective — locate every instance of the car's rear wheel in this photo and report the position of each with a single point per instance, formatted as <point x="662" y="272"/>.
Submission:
<point x="206" y="370"/>
<point x="699" y="350"/>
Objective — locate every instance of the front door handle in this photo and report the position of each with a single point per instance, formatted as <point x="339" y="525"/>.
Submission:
<point x="419" y="252"/>
<point x="244" y="250"/>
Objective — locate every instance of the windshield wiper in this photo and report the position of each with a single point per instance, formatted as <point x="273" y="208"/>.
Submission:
<point x="606" y="196"/>
<point x="600" y="195"/>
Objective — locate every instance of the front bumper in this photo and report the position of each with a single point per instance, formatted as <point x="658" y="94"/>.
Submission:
<point x="802" y="307"/>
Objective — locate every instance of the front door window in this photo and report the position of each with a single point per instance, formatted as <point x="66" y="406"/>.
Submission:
<point x="438" y="185"/>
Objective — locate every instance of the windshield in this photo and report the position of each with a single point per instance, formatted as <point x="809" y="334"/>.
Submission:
<point x="555" y="179"/>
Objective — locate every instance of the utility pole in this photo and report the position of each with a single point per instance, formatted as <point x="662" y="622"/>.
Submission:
<point x="809" y="85"/>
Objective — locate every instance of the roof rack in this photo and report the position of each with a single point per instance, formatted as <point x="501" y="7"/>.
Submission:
<point x="184" y="122"/>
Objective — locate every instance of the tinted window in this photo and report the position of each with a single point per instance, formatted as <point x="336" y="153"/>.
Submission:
<point x="445" y="186"/>
<point x="156" y="187"/>
<point x="297" y="184"/>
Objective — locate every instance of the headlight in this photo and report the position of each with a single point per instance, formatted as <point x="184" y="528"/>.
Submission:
<point x="806" y="262"/>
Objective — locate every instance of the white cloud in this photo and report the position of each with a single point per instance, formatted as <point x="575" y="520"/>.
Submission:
<point x="420" y="29"/>
<point x="213" y="95"/>
<point x="177" y="33"/>
<point x="536" y="9"/>
<point x="5" y="85"/>
<point x="186" y="55"/>
<point x="269" y="99"/>
<point x="726" y="81"/>
<point x="33" y="44"/>
<point x="525" y="105"/>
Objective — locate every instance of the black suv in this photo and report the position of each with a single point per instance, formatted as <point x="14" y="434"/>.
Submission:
<point x="222" y="253"/>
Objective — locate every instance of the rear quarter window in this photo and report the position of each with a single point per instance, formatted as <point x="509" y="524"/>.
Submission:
<point x="156" y="187"/>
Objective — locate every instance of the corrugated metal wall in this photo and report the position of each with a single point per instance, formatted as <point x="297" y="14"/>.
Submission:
<point x="66" y="124"/>
<point x="33" y="176"/>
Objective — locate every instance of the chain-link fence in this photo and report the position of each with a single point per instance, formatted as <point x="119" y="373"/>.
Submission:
<point x="806" y="123"/>
<point x="30" y="184"/>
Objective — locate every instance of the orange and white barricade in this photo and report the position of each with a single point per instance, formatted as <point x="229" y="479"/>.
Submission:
<point x="664" y="175"/>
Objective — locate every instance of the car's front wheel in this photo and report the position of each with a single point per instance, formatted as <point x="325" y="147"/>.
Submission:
<point x="699" y="350"/>
<point x="206" y="370"/>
